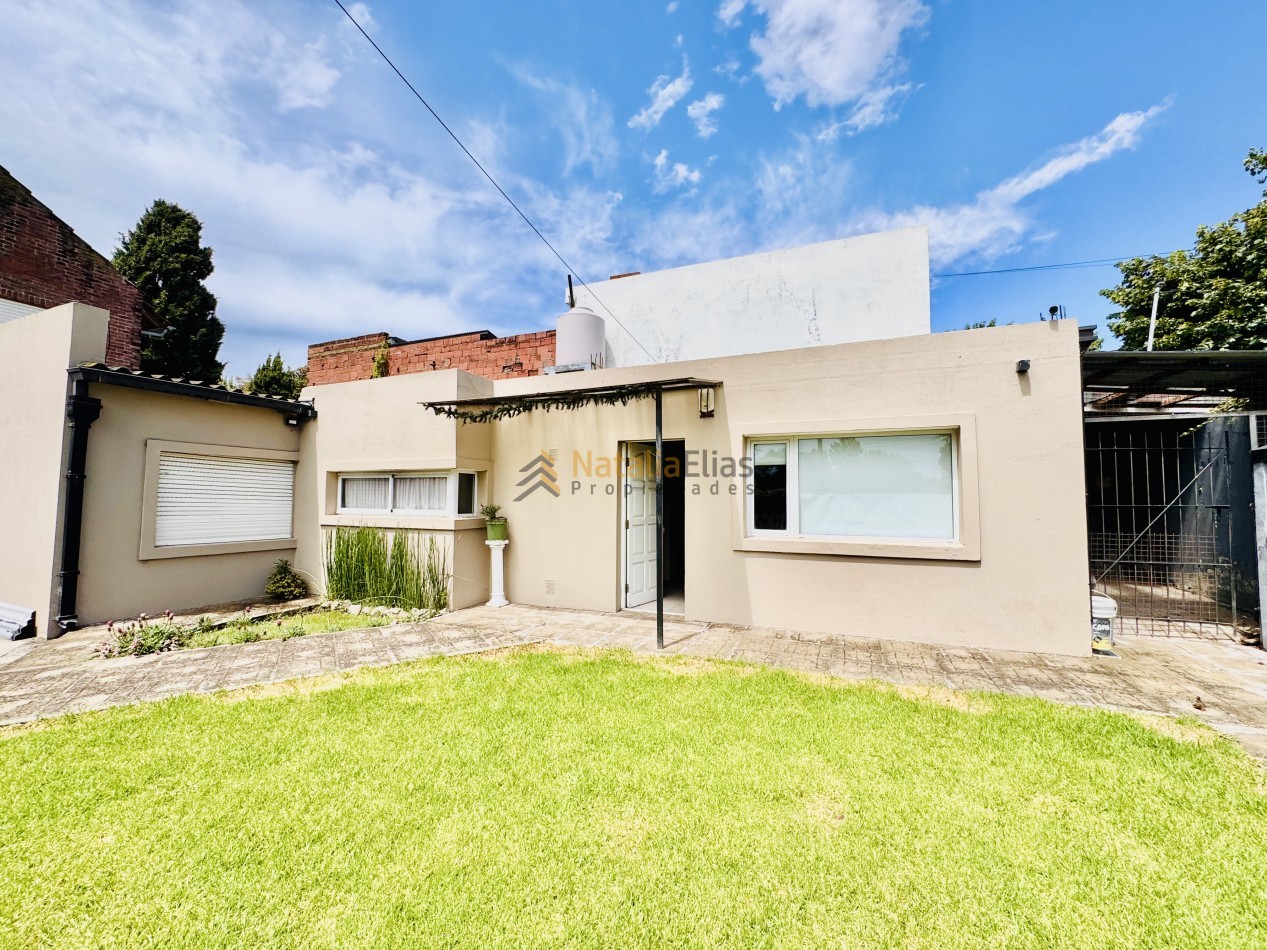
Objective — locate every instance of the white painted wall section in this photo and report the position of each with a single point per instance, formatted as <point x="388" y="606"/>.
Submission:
<point x="870" y="287"/>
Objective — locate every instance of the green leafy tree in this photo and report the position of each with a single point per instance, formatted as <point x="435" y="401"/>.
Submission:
<point x="273" y="378"/>
<point x="163" y="255"/>
<point x="1213" y="297"/>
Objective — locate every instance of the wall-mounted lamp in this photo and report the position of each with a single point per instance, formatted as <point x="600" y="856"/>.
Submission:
<point x="1022" y="366"/>
<point x="706" y="402"/>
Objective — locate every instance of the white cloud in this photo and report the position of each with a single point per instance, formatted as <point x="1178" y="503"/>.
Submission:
<point x="361" y="12"/>
<point x="669" y="177"/>
<point x="800" y="194"/>
<point x="876" y="107"/>
<point x="665" y="94"/>
<point x="994" y="222"/>
<point x="687" y="235"/>
<point x="730" y="70"/>
<point x="306" y="80"/>
<point x="832" y="52"/>
<point x="729" y="11"/>
<point x="337" y="226"/>
<point x="582" y="119"/>
<point x="672" y="7"/>
<point x="701" y="113"/>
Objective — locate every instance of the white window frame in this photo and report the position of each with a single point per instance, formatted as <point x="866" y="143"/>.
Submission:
<point x="793" y="529"/>
<point x="450" y="492"/>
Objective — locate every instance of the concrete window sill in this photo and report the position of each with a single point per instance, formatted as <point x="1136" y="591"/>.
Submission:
<point x="153" y="553"/>
<point x="909" y="550"/>
<point x="416" y="522"/>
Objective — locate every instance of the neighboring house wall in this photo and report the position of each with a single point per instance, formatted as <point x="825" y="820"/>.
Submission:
<point x="121" y="571"/>
<point x="479" y="352"/>
<point x="43" y="264"/>
<point x="378" y="426"/>
<point x="870" y="287"/>
<point x="119" y="577"/>
<point x="35" y="352"/>
<point x="1018" y="581"/>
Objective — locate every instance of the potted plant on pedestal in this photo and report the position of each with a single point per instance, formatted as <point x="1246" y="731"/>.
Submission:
<point x="494" y="522"/>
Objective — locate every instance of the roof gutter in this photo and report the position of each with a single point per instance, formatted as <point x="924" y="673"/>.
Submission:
<point x="82" y="411"/>
<point x="291" y="409"/>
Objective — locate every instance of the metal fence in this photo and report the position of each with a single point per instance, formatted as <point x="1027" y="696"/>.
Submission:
<point x="1160" y="528"/>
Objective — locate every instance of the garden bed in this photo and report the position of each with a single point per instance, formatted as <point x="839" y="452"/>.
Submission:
<point x="168" y="632"/>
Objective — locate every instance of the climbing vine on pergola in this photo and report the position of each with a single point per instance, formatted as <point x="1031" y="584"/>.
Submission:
<point x="491" y="409"/>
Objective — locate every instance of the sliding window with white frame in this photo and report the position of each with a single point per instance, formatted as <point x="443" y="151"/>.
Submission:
<point x="900" y="486"/>
<point x="435" y="494"/>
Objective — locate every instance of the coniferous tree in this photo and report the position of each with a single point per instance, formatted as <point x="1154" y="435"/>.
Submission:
<point x="163" y="255"/>
<point x="273" y="378"/>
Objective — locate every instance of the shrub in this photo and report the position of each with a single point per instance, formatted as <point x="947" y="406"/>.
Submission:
<point x="143" y="636"/>
<point x="285" y="583"/>
<point x="362" y="566"/>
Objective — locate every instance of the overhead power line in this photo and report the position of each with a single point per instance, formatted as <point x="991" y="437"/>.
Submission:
<point x="1102" y="262"/>
<point x="491" y="179"/>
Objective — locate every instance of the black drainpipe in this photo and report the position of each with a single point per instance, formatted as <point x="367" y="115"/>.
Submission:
<point x="81" y="412"/>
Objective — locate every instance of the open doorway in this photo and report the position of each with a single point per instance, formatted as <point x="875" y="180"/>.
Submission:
<point x="639" y="522"/>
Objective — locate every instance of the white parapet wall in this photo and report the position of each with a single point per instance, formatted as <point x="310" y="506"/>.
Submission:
<point x="871" y="287"/>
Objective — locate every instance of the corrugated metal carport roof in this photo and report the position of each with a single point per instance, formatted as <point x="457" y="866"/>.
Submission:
<point x="1186" y="381"/>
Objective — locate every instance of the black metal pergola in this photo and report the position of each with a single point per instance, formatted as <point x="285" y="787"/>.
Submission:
<point x="1118" y="381"/>
<point x="478" y="409"/>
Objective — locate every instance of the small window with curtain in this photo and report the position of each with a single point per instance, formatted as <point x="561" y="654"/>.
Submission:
<point x="367" y="493"/>
<point x="435" y="494"/>
<point x="421" y="494"/>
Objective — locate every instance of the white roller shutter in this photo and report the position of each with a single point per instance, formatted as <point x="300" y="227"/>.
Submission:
<point x="207" y="499"/>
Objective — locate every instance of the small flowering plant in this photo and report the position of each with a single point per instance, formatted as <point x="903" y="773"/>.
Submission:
<point x="143" y="636"/>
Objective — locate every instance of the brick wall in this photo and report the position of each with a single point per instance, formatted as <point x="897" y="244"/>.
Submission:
<point x="478" y="352"/>
<point x="45" y="264"/>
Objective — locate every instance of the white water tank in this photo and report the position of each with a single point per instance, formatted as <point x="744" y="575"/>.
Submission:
<point x="581" y="339"/>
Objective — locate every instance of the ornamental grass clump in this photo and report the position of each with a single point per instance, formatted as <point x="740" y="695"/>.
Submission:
<point x="363" y="566"/>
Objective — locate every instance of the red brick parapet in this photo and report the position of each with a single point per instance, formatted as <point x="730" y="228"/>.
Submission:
<point x="478" y="352"/>
<point x="43" y="263"/>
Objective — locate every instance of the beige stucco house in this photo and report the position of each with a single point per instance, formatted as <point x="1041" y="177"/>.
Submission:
<point x="920" y="488"/>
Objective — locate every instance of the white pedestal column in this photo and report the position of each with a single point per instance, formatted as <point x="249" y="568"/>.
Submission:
<point x="498" y="583"/>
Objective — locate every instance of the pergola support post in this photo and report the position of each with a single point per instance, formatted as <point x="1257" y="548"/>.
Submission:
<point x="659" y="519"/>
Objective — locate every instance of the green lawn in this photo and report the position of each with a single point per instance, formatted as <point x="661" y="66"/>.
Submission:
<point x="295" y="625"/>
<point x="606" y="800"/>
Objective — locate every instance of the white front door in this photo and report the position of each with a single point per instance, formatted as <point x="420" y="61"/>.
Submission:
<point x="640" y="527"/>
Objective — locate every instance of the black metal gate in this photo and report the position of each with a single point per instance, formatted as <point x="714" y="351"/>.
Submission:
<point x="1161" y="528"/>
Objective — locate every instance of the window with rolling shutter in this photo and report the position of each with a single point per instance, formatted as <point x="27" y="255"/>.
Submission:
<point x="205" y="499"/>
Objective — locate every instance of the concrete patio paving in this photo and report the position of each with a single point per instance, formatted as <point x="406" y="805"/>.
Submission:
<point x="1153" y="675"/>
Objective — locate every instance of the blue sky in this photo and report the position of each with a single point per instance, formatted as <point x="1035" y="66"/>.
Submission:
<point x="637" y="137"/>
